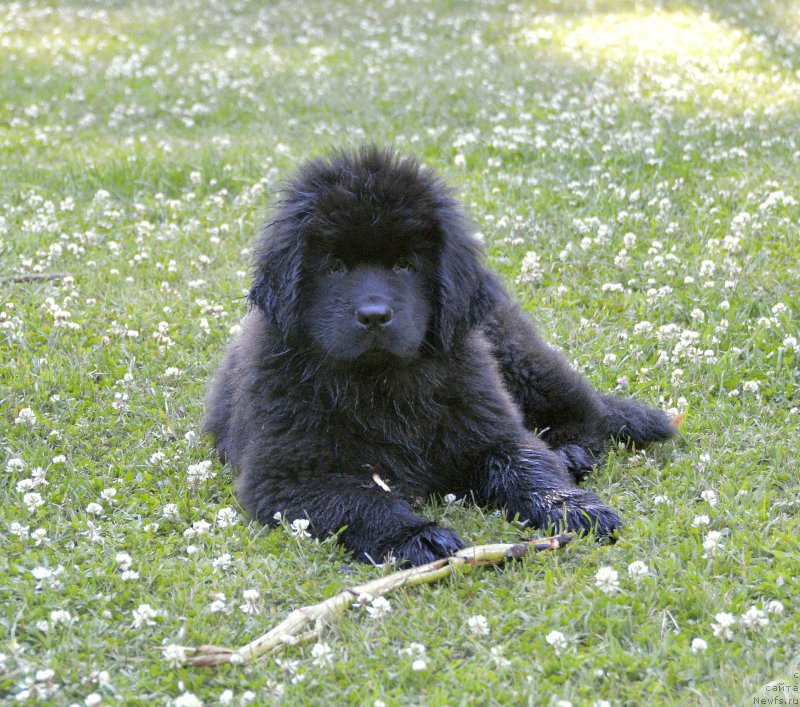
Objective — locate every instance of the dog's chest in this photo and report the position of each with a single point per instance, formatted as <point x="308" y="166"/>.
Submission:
<point x="409" y="442"/>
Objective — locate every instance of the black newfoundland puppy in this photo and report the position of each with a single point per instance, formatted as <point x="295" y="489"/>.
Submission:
<point x="383" y="362"/>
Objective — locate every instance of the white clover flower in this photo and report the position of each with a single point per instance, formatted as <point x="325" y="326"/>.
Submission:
<point x="187" y="699"/>
<point x="419" y="665"/>
<point x="751" y="386"/>
<point x="700" y="520"/>
<point x="247" y="697"/>
<point x="94" y="509"/>
<point x="174" y="655"/>
<point x="379" y="607"/>
<point x="754" y="619"/>
<point x="607" y="580"/>
<point x="478" y="625"/>
<point x="39" y="537"/>
<point x="774" y="607"/>
<point x="322" y="655"/>
<point x="95" y="699"/>
<point x="93" y="533"/>
<point x="200" y="472"/>
<point x="661" y="500"/>
<point x="557" y="640"/>
<point x="251" y="598"/>
<point x="413" y="649"/>
<point x="124" y="560"/>
<point x="723" y="625"/>
<point x="699" y="645"/>
<point x="24" y="485"/>
<point x="40" y="573"/>
<point x="217" y="606"/>
<point x="637" y="571"/>
<point x="170" y="511"/>
<point x="363" y="599"/>
<point x="14" y="465"/>
<point x="707" y="268"/>
<point x="101" y="677"/>
<point x="144" y="615"/>
<point x="129" y="575"/>
<point x="158" y="459"/>
<point x="710" y="497"/>
<point x="32" y="501"/>
<point x="226" y="517"/>
<point x="201" y="527"/>
<point x="222" y="562"/>
<point x="449" y="498"/>
<point x="711" y="542"/>
<point x="21" y="531"/>
<point x="300" y="528"/>
<point x="531" y="268"/>
<point x="108" y="494"/>
<point x="226" y="697"/>
<point x="60" y="616"/>
<point x="26" y="416"/>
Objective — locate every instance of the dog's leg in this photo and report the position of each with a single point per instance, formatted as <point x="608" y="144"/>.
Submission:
<point x="569" y="414"/>
<point x="635" y="423"/>
<point x="534" y="485"/>
<point x="370" y="522"/>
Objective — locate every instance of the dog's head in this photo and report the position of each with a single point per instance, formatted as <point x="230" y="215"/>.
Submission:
<point x="369" y="259"/>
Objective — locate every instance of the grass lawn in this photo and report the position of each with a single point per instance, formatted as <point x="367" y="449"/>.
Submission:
<point x="648" y="158"/>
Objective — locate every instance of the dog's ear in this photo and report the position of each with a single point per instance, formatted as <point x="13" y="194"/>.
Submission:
<point x="467" y="291"/>
<point x="278" y="267"/>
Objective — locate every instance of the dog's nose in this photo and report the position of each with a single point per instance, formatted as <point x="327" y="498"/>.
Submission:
<point x="374" y="315"/>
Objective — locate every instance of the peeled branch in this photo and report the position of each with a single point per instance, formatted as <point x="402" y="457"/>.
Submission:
<point x="306" y="623"/>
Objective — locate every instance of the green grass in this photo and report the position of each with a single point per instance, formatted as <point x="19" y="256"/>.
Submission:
<point x="140" y="147"/>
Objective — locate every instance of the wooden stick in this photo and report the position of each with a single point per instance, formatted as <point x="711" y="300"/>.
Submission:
<point x="306" y="622"/>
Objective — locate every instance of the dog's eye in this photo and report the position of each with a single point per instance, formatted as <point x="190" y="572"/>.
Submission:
<point x="404" y="265"/>
<point x="336" y="265"/>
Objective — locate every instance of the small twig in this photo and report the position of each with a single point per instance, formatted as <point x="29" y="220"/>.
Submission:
<point x="34" y="277"/>
<point x="305" y="623"/>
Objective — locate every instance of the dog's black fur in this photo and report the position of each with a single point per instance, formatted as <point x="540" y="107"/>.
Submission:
<point x="380" y="347"/>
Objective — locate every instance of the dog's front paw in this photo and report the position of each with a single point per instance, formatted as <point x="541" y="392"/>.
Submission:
<point x="583" y="512"/>
<point x="428" y="544"/>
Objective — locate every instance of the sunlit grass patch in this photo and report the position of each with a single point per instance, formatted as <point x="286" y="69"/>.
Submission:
<point x="683" y="55"/>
